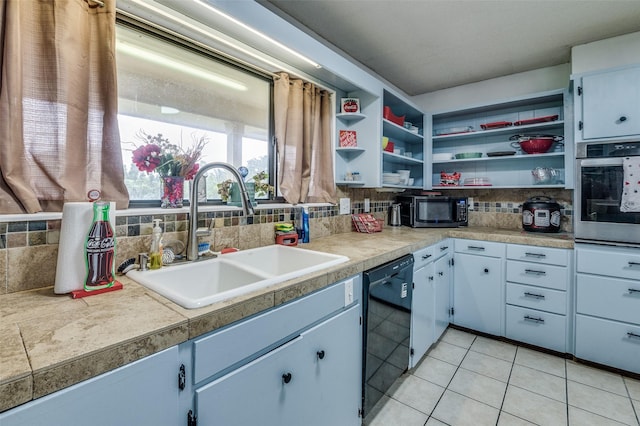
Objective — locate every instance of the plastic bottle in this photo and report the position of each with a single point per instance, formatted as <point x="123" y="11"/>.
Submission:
<point x="305" y="224"/>
<point x="155" y="253"/>
<point x="100" y="249"/>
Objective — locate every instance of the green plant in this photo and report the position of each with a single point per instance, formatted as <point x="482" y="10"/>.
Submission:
<point x="262" y="188"/>
<point x="224" y="189"/>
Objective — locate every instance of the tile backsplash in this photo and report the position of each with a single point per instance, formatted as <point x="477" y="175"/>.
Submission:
<point x="29" y="249"/>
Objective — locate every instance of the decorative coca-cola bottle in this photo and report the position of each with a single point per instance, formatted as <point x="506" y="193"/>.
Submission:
<point x="100" y="249"/>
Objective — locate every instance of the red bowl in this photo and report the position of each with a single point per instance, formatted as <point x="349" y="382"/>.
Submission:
<point x="535" y="144"/>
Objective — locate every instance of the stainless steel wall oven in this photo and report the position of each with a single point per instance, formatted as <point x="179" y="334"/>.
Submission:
<point x="599" y="193"/>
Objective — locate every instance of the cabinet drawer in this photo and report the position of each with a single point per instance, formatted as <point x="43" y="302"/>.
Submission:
<point x="608" y="342"/>
<point x="423" y="256"/>
<point x="550" y="256"/>
<point x="537" y="328"/>
<point x="537" y="274"/>
<point x="443" y="247"/>
<point x="618" y="262"/>
<point x="608" y="298"/>
<point x="212" y="353"/>
<point x="484" y="248"/>
<point x="540" y="298"/>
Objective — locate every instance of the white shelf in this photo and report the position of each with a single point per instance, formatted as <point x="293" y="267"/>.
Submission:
<point x="393" y="131"/>
<point x="350" y="116"/>
<point x="503" y="158"/>
<point x="400" y="159"/>
<point x="350" y="183"/>
<point x="497" y="186"/>
<point x="558" y="124"/>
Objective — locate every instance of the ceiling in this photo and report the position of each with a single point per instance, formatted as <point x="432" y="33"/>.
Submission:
<point x="425" y="45"/>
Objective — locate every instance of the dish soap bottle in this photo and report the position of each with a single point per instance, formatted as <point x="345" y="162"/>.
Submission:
<point x="155" y="253"/>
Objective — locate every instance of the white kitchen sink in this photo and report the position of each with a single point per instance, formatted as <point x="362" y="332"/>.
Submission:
<point x="201" y="283"/>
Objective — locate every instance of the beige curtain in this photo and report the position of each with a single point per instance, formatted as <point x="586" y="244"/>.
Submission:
<point x="59" y="134"/>
<point x="303" y="117"/>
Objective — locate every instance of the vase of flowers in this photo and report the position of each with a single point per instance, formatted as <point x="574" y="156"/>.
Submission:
<point x="172" y="162"/>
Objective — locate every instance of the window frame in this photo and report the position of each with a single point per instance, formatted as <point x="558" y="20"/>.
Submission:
<point x="184" y="42"/>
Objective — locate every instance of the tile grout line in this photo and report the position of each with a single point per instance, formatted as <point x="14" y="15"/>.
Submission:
<point x="451" y="379"/>
<point x="507" y="387"/>
<point x="633" y="406"/>
<point x="566" y="388"/>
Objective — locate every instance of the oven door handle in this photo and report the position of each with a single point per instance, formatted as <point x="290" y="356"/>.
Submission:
<point x="597" y="162"/>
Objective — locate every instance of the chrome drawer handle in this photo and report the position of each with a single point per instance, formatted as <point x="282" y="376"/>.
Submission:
<point x="631" y="335"/>
<point x="475" y="248"/>
<point x="537" y="296"/>
<point x="536" y="320"/>
<point x="631" y="264"/>
<point x="426" y="256"/>
<point x="536" y="255"/>
<point x="534" y="272"/>
<point x="634" y="291"/>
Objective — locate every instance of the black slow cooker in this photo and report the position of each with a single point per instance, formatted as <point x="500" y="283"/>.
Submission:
<point x="541" y="214"/>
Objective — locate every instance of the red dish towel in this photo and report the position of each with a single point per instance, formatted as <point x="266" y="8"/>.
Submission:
<point x="630" y="200"/>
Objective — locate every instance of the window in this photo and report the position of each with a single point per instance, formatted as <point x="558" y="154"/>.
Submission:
<point x="182" y="92"/>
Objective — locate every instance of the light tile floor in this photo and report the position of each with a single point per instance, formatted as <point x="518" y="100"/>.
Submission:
<point x="472" y="380"/>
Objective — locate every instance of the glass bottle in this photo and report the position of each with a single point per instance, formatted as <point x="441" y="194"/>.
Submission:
<point x="100" y="249"/>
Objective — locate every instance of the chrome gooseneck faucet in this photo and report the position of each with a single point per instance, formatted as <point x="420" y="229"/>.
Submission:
<point x="194" y="232"/>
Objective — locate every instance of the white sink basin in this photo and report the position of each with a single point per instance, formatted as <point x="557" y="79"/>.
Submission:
<point x="201" y="283"/>
<point x="283" y="261"/>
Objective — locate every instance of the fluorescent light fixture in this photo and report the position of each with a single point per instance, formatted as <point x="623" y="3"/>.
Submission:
<point x="209" y="34"/>
<point x="256" y="32"/>
<point x="167" y="62"/>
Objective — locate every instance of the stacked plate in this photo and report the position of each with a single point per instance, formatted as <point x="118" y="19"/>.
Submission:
<point x="391" y="178"/>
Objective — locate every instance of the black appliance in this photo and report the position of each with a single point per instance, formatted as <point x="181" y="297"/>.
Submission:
<point x="598" y="194"/>
<point x="387" y="291"/>
<point x="433" y="211"/>
<point x="541" y="214"/>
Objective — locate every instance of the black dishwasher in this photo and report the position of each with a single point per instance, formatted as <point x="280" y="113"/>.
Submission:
<point x="387" y="294"/>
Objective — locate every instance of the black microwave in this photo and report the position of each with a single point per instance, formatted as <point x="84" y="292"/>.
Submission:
<point x="433" y="211"/>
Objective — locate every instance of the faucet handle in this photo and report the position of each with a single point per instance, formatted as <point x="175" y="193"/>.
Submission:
<point x="143" y="261"/>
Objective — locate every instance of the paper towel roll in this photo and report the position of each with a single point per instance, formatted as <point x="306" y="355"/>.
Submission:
<point x="71" y="270"/>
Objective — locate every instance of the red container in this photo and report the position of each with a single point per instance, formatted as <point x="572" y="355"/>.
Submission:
<point x="389" y="115"/>
<point x="534" y="144"/>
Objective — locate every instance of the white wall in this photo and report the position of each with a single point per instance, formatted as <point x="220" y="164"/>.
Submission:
<point x="495" y="89"/>
<point x="608" y="53"/>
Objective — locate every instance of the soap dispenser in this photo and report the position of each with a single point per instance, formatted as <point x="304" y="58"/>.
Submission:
<point x="155" y="253"/>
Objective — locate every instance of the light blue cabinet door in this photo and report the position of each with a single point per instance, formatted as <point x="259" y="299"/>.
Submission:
<point x="422" y="312"/>
<point x="332" y="358"/>
<point x="143" y="393"/>
<point x="610" y="104"/>
<point x="442" y="296"/>
<point x="477" y="293"/>
<point x="293" y="384"/>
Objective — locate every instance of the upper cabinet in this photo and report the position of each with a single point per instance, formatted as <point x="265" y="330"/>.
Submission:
<point x="607" y="105"/>
<point x="517" y="143"/>
<point x="357" y="132"/>
<point x="403" y="147"/>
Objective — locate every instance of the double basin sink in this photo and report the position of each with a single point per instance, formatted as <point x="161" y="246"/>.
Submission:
<point x="203" y="282"/>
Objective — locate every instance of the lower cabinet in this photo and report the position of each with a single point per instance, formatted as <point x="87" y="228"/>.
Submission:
<point x="430" y="308"/>
<point x="478" y="299"/>
<point x="144" y="392"/>
<point x="608" y="306"/>
<point x="312" y="380"/>
<point x="442" y="295"/>
<point x="538" y="296"/>
<point x="300" y="363"/>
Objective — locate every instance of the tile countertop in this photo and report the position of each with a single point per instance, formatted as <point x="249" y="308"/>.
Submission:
<point x="49" y="341"/>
